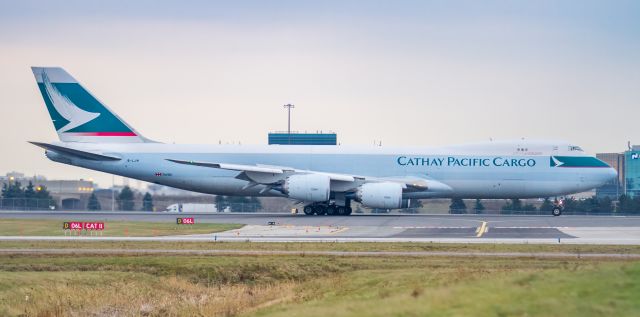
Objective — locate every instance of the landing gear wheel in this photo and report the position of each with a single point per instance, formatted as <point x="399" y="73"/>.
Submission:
<point x="557" y="211"/>
<point x="308" y="210"/>
<point x="320" y="210"/>
<point x="348" y="211"/>
<point x="341" y="210"/>
<point x="331" y="210"/>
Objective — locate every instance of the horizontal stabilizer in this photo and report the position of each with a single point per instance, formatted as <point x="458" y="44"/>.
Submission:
<point x="76" y="153"/>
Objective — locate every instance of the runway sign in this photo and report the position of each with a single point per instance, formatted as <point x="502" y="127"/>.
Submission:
<point x="76" y="225"/>
<point x="185" y="221"/>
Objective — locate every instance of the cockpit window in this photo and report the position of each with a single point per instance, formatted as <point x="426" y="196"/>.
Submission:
<point x="575" y="148"/>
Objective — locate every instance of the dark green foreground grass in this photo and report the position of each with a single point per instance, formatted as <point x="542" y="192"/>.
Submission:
<point x="493" y="288"/>
<point x="133" y="285"/>
<point x="324" y="246"/>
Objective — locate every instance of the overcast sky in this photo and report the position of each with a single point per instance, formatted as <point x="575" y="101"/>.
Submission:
<point x="404" y="72"/>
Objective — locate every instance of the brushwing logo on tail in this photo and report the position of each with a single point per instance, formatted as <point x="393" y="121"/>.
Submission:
<point x="66" y="108"/>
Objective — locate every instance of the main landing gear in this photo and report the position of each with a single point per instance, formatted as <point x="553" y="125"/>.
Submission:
<point x="321" y="209"/>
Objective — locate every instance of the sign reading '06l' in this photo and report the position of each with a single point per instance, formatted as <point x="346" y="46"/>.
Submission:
<point x="185" y="221"/>
<point x="76" y="225"/>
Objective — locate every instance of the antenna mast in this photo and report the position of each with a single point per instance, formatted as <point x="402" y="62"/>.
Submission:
<point x="289" y="106"/>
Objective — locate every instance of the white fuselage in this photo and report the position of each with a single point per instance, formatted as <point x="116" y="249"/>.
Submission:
<point x="520" y="169"/>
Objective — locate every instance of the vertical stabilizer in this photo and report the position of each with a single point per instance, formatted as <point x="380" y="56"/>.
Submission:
<point x="76" y="114"/>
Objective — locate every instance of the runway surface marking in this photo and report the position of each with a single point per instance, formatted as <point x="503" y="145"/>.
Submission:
<point x="339" y="230"/>
<point x="482" y="229"/>
<point x="323" y="253"/>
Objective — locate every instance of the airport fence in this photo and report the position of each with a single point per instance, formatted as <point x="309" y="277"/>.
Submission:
<point x="535" y="212"/>
<point x="27" y="204"/>
<point x="547" y="212"/>
<point x="172" y="205"/>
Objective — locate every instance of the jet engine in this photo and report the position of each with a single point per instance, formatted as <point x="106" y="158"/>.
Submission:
<point x="308" y="187"/>
<point x="381" y="195"/>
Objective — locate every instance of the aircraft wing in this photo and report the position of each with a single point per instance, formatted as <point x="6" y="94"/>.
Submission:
<point x="233" y="167"/>
<point x="271" y="175"/>
<point x="266" y="169"/>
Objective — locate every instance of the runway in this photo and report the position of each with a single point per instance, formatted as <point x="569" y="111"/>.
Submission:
<point x="376" y="220"/>
<point x="282" y="227"/>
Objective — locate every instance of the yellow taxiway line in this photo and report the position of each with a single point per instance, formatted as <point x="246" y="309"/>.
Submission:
<point x="482" y="229"/>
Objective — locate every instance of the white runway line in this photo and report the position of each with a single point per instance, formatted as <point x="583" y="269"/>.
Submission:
<point x="214" y="237"/>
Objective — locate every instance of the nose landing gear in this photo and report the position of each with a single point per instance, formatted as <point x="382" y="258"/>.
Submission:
<point x="558" y="207"/>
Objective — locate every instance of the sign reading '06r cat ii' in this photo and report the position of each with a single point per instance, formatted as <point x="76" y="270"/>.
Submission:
<point x="185" y="221"/>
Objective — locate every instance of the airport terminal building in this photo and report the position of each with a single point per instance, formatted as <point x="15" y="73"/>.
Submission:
<point x="66" y="193"/>
<point x="632" y="171"/>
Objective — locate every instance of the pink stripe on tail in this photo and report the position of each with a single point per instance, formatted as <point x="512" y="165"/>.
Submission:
<point x="104" y="134"/>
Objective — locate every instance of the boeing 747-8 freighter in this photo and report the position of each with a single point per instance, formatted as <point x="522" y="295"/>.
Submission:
<point x="326" y="178"/>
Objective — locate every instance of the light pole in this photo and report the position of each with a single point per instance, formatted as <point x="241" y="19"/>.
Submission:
<point x="289" y="106"/>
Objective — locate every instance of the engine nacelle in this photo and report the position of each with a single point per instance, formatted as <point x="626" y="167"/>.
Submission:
<point x="381" y="195"/>
<point x="308" y="187"/>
